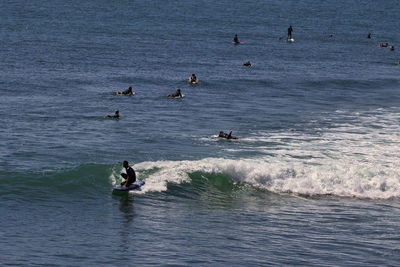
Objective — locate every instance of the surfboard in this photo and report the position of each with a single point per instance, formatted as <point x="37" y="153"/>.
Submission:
<point x="236" y="43"/>
<point x="119" y="190"/>
<point x="291" y="40"/>
<point x="233" y="138"/>
<point x="120" y="93"/>
<point x="195" y="82"/>
<point x="170" y="96"/>
<point x="112" y="117"/>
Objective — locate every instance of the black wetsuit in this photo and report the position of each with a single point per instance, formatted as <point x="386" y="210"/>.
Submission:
<point x="127" y="92"/>
<point x="236" y="39"/>
<point x="130" y="176"/>
<point x="289" y="32"/>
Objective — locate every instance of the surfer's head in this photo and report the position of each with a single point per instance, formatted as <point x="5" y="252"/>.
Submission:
<point x="125" y="164"/>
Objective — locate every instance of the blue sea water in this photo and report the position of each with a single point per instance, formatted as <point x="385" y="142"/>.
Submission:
<point x="313" y="180"/>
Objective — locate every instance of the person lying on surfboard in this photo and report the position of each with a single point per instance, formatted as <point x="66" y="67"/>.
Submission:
<point x="176" y="94"/>
<point x="193" y="79"/>
<point x="115" y="116"/>
<point x="247" y="64"/>
<point x="227" y="136"/>
<point x="126" y="92"/>
<point x="129" y="176"/>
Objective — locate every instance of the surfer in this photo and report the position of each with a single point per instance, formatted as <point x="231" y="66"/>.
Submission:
<point x="384" y="45"/>
<point x="392" y="48"/>
<point x="126" y="92"/>
<point x="289" y="32"/>
<point x="226" y="136"/>
<point x="176" y="94"/>
<point x="236" y="39"/>
<point x="247" y="64"/>
<point x="369" y="36"/>
<point x="115" y="116"/>
<point x="193" y="78"/>
<point x="129" y="176"/>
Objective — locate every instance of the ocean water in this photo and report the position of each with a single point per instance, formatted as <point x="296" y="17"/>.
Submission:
<point x="313" y="180"/>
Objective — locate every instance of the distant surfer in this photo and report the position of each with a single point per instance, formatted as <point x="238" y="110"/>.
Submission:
<point x="392" y="48"/>
<point x="176" y="94"/>
<point x="289" y="32"/>
<point x="247" y="64"/>
<point x="236" y="39"/>
<point x="129" y="176"/>
<point x="126" y="92"/>
<point x="226" y="136"/>
<point x="383" y="45"/>
<point x="369" y="36"/>
<point x="115" y="116"/>
<point x="193" y="79"/>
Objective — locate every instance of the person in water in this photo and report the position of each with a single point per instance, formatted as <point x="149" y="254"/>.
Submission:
<point x="115" y="116"/>
<point x="247" y="64"/>
<point x="289" y="32"/>
<point x="129" y="176"/>
<point x="126" y="92"/>
<point x="236" y="39"/>
<point x="193" y="78"/>
<point x="392" y="48"/>
<point x="369" y="36"/>
<point x="227" y="136"/>
<point x="177" y="94"/>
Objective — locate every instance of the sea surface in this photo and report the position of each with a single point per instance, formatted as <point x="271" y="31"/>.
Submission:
<point x="314" y="179"/>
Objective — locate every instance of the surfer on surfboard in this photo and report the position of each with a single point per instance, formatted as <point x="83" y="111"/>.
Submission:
<point x="176" y="94"/>
<point x="126" y="92"/>
<point x="193" y="79"/>
<point x="289" y="32"/>
<point x="226" y="136"/>
<point x="246" y="64"/>
<point x="115" y="116"/>
<point x="129" y="176"/>
<point x="236" y="39"/>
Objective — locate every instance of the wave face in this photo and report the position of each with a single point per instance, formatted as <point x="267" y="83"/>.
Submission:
<point x="355" y="157"/>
